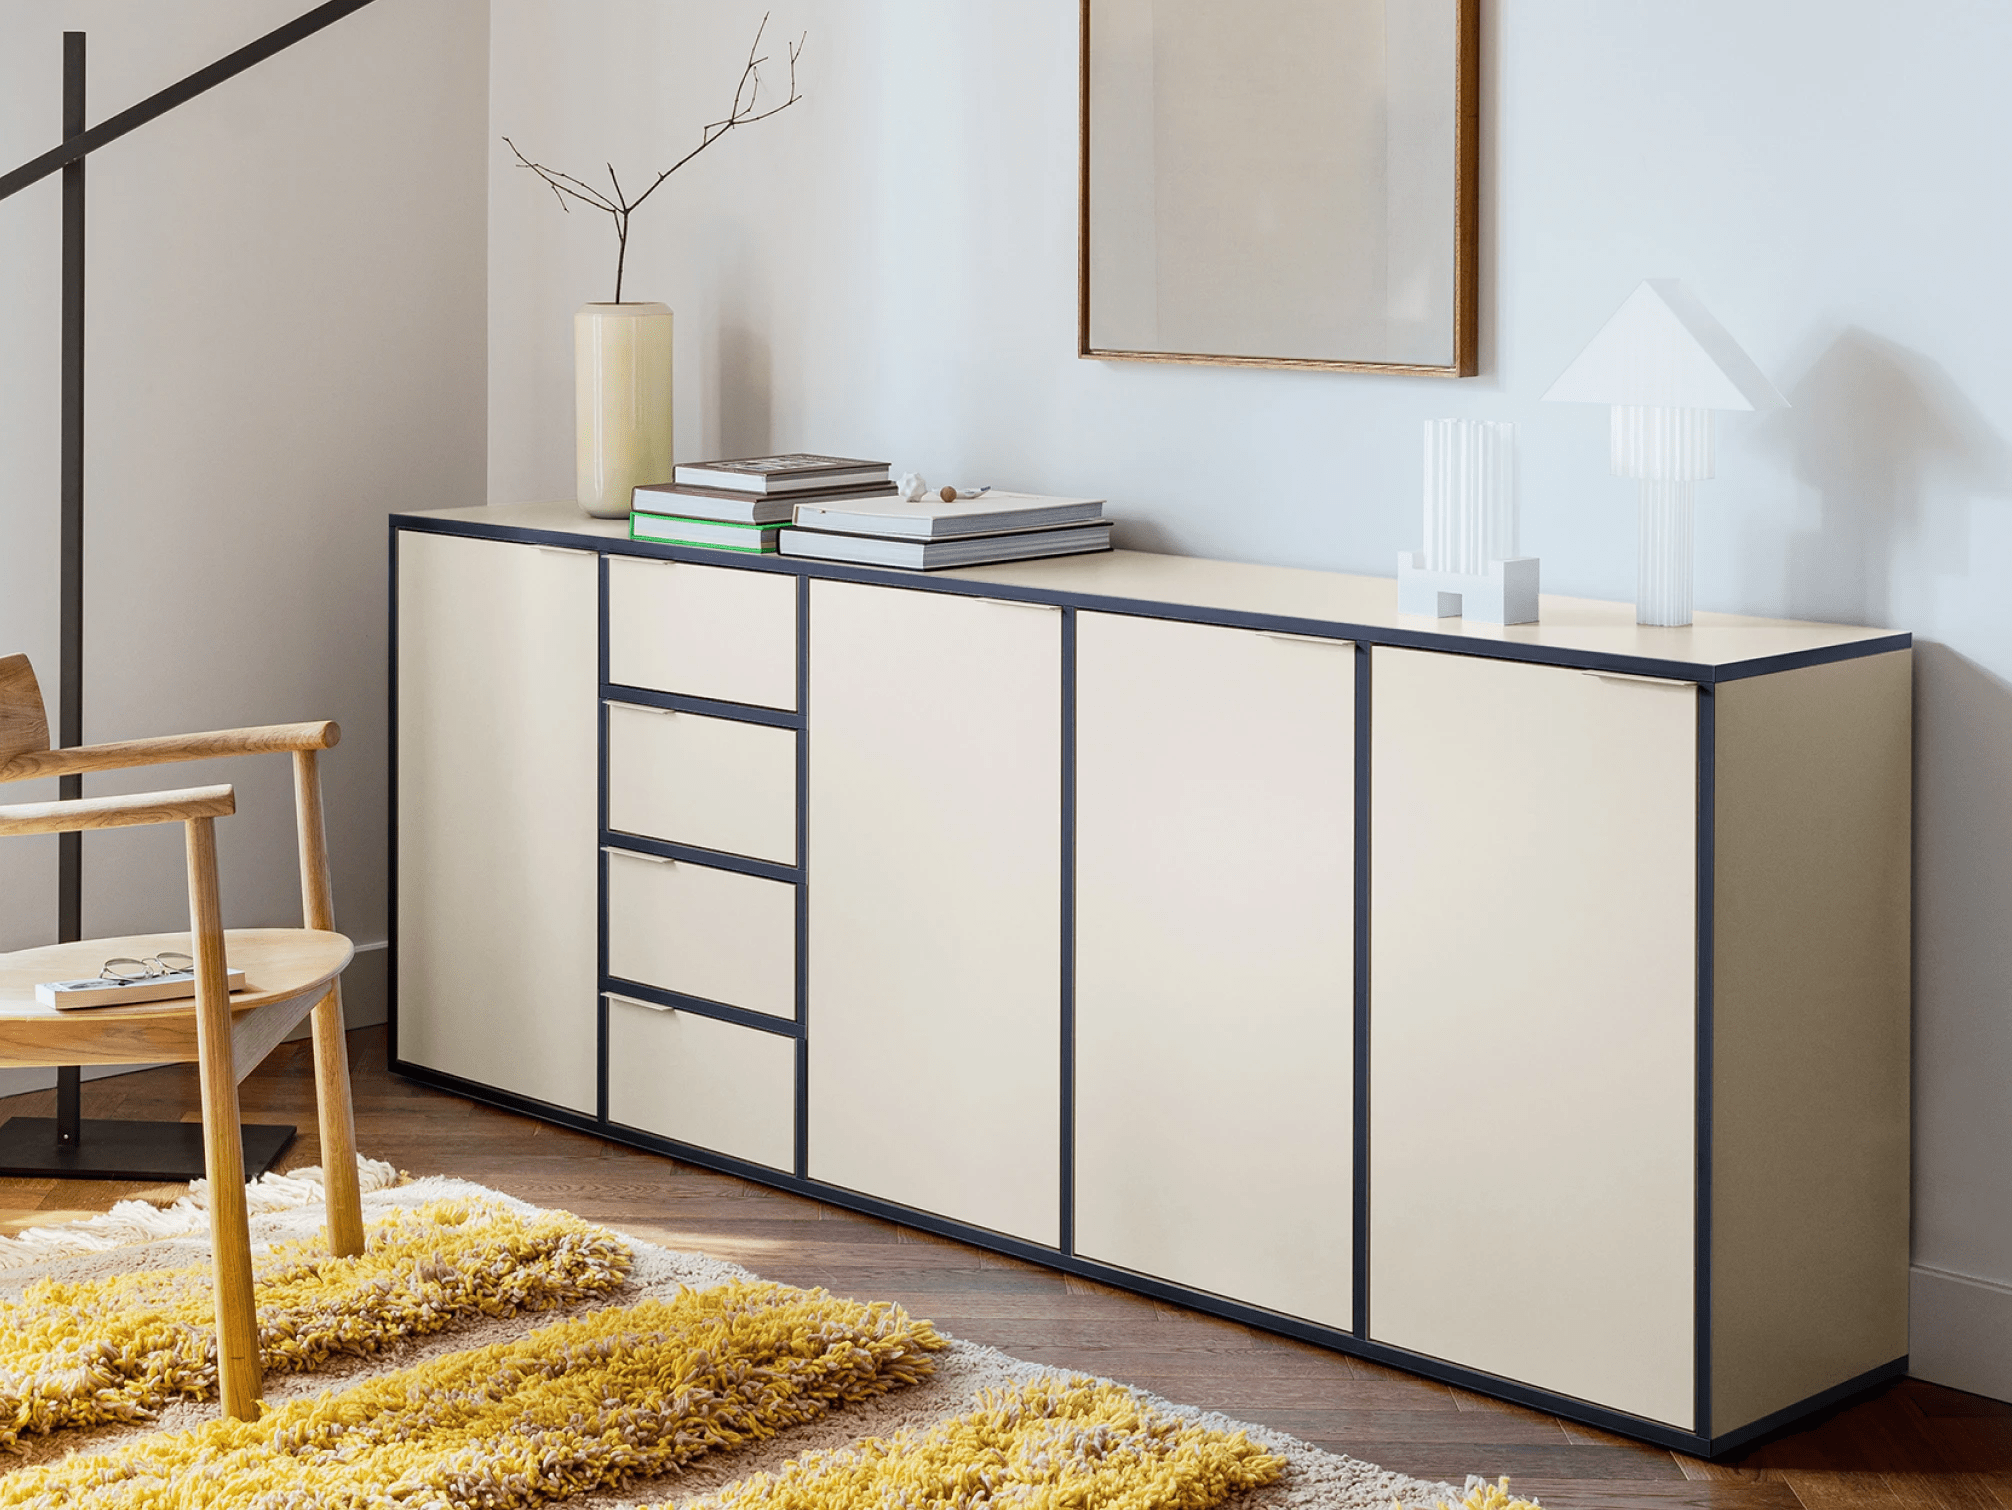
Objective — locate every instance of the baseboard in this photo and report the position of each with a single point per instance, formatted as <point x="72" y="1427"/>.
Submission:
<point x="1960" y="1332"/>
<point x="18" y="1082"/>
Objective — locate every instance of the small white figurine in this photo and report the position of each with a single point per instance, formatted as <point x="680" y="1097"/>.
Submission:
<point x="912" y="487"/>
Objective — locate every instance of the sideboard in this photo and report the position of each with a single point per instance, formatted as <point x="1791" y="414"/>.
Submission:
<point x="1526" y="1007"/>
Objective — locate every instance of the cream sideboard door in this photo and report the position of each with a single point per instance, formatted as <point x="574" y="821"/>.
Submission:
<point x="1532" y="1062"/>
<point x="934" y="863"/>
<point x="1215" y="951"/>
<point x="498" y="699"/>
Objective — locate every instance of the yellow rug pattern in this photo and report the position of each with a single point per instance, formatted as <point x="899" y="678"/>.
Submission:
<point x="117" y="1348"/>
<point x="592" y="1402"/>
<point x="1482" y="1495"/>
<point x="1056" y="1444"/>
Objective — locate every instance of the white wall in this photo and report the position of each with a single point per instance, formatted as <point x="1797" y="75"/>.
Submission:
<point x="889" y="269"/>
<point x="284" y="344"/>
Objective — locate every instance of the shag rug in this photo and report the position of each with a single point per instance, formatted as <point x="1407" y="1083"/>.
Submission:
<point x="485" y="1352"/>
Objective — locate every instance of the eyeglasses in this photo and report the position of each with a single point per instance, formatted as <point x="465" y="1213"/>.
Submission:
<point x="167" y="962"/>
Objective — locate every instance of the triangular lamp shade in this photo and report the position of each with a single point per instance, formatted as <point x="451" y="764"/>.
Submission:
<point x="1663" y="350"/>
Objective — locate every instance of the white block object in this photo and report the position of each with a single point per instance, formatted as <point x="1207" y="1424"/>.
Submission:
<point x="1506" y="593"/>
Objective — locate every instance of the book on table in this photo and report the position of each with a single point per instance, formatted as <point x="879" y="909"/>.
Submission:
<point x="99" y="991"/>
<point x="960" y="550"/>
<point x="710" y="534"/>
<point x="729" y="506"/>
<point x="933" y="518"/>
<point x="791" y="472"/>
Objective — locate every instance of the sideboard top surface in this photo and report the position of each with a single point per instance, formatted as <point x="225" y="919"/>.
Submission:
<point x="1570" y="628"/>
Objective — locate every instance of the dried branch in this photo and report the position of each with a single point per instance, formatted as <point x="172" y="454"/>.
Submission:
<point x="745" y="111"/>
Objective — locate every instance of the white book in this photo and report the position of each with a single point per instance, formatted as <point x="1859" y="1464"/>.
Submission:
<point x="99" y="992"/>
<point x="932" y="518"/>
<point x="935" y="555"/>
<point x="732" y="506"/>
<point x="791" y="472"/>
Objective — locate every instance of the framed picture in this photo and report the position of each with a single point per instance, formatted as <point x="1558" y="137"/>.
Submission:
<point x="1280" y="183"/>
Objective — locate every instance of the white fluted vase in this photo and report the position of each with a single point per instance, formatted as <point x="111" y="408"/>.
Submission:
<point x="622" y="402"/>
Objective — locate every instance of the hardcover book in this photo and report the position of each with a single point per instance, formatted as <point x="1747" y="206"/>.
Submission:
<point x="933" y="519"/>
<point x="936" y="555"/>
<point x="731" y="507"/>
<point x="792" y="472"/>
<point x="711" y="534"/>
<point x="100" y="992"/>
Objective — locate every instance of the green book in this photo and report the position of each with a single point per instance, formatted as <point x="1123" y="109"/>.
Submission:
<point x="709" y="534"/>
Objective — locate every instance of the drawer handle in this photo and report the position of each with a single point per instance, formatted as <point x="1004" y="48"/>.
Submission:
<point x="641" y="708"/>
<point x="566" y="550"/>
<point x="1640" y="681"/>
<point x="637" y="854"/>
<point x="1304" y="639"/>
<point x="1022" y="603"/>
<point x="636" y="1001"/>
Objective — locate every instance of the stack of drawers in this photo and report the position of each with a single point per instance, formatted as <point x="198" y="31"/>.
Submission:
<point x="702" y="847"/>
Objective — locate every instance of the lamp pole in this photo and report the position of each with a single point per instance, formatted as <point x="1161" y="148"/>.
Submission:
<point x="70" y="649"/>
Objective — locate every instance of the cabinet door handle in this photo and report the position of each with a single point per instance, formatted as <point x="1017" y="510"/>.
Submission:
<point x="641" y="708"/>
<point x="1304" y="639"/>
<point x="1022" y="603"/>
<point x="637" y="1001"/>
<point x="637" y="854"/>
<point x="566" y="550"/>
<point x="1642" y="681"/>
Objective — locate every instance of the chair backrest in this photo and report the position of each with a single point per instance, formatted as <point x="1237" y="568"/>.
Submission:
<point x="24" y="727"/>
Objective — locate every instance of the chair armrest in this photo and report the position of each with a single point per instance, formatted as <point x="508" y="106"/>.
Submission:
<point x="270" y="739"/>
<point x="135" y="811"/>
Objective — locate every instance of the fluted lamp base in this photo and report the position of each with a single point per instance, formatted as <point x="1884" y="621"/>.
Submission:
<point x="1663" y="553"/>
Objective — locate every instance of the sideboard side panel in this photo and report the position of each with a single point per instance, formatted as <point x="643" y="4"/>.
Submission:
<point x="1811" y="1032"/>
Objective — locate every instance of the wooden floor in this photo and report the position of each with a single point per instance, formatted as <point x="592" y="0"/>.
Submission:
<point x="1913" y="1447"/>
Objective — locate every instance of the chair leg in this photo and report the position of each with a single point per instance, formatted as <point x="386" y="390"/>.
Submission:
<point x="238" y="1375"/>
<point x="331" y="1053"/>
<point x="338" y="1128"/>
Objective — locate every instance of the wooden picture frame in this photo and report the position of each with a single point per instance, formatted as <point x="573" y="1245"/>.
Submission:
<point x="1464" y="230"/>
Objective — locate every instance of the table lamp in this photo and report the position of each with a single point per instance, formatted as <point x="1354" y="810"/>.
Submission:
<point x="1664" y="364"/>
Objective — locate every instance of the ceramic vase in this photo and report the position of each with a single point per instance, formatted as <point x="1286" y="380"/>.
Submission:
<point x="622" y="401"/>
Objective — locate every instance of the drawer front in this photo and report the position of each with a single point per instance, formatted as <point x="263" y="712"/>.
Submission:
<point x="705" y="1082"/>
<point x="705" y="631"/>
<point x="708" y="782"/>
<point x="714" y="934"/>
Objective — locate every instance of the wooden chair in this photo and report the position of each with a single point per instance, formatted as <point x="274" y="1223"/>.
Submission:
<point x="289" y="972"/>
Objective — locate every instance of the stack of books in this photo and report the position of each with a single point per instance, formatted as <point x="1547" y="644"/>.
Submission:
<point x="932" y="534"/>
<point x="743" y="504"/>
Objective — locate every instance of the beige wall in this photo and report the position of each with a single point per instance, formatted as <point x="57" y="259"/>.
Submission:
<point x="285" y="343"/>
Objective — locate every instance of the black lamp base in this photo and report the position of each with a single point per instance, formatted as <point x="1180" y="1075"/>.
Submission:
<point x="106" y="1150"/>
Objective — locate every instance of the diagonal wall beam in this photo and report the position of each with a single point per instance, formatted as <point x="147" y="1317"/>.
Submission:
<point x="75" y="148"/>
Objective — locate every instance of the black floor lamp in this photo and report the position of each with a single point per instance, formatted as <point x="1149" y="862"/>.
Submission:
<point x="66" y="1144"/>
